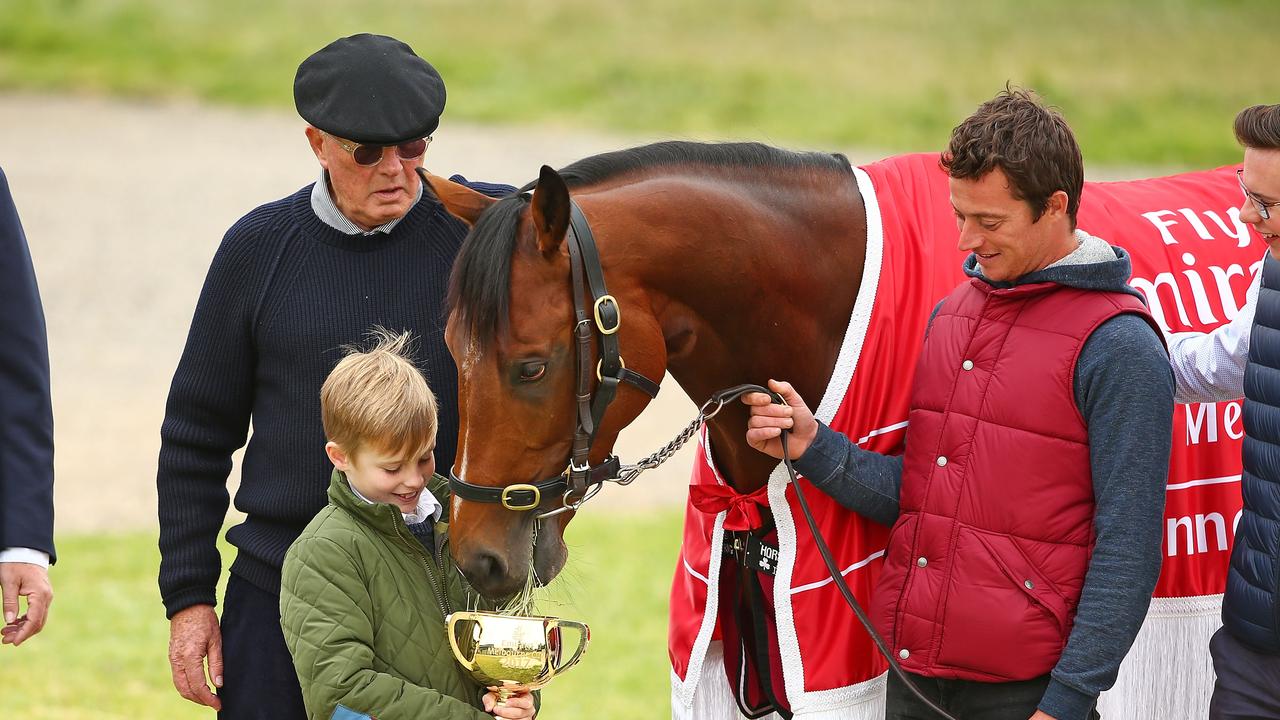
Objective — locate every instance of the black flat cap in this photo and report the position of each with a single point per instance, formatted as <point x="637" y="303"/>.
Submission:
<point x="369" y="89"/>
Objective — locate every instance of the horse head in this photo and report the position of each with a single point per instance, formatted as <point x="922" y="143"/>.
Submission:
<point x="511" y="331"/>
<point x="720" y="262"/>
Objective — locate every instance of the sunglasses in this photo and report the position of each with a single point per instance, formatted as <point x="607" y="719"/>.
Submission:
<point x="1261" y="205"/>
<point x="368" y="155"/>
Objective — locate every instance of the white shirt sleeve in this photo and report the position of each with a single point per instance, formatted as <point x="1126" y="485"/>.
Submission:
<point x="1209" y="367"/>
<point x="25" y="555"/>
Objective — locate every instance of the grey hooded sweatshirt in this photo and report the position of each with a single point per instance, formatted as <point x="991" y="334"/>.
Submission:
<point x="1124" y="390"/>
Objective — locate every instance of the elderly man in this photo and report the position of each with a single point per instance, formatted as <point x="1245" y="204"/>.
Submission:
<point x="1243" y="358"/>
<point x="1026" y="510"/>
<point x="26" y="436"/>
<point x="292" y="283"/>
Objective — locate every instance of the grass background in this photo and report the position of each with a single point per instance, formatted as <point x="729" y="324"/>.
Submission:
<point x="1147" y="82"/>
<point x="1143" y="82"/>
<point x="102" y="656"/>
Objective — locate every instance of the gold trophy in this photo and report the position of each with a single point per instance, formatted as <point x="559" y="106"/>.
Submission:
<point x="510" y="653"/>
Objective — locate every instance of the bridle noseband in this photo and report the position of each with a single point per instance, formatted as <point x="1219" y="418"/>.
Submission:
<point x="579" y="481"/>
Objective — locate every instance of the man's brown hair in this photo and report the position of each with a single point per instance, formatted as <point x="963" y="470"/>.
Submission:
<point x="1028" y="141"/>
<point x="1259" y="127"/>
<point x="377" y="398"/>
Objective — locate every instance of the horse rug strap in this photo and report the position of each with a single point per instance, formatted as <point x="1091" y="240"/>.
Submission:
<point x="753" y="661"/>
<point x="751" y="552"/>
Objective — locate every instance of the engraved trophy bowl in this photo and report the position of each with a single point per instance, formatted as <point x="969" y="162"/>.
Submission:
<point x="511" y="653"/>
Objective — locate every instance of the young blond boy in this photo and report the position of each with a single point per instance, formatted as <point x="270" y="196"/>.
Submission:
<point x="366" y="588"/>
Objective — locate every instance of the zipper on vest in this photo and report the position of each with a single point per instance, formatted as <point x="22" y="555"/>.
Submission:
<point x="426" y="565"/>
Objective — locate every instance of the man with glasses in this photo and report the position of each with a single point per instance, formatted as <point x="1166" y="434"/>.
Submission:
<point x="292" y="283"/>
<point x="1243" y="358"/>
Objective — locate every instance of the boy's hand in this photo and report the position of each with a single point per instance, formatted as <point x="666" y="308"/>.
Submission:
<point x="519" y="705"/>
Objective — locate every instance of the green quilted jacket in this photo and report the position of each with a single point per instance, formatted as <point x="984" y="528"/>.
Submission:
<point x="362" y="605"/>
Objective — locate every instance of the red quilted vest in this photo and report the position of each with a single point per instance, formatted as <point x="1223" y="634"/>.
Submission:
<point x="985" y="565"/>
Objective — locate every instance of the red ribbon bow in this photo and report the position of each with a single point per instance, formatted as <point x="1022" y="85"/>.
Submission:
<point x="744" y="510"/>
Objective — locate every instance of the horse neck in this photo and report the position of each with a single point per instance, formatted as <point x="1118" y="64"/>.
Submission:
<point x="752" y="283"/>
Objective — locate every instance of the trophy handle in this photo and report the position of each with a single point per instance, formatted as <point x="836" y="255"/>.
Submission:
<point x="452" y="622"/>
<point x="584" y="635"/>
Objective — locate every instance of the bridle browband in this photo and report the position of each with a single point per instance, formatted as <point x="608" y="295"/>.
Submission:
<point x="579" y="481"/>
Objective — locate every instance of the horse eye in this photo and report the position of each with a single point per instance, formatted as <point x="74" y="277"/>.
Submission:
<point x="532" y="371"/>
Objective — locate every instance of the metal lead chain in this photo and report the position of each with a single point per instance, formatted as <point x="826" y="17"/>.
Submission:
<point x="629" y="473"/>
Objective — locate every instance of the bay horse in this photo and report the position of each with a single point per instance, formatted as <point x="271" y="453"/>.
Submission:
<point x="740" y="262"/>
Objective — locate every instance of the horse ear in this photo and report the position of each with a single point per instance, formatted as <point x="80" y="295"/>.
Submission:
<point x="550" y="211"/>
<point x="461" y="201"/>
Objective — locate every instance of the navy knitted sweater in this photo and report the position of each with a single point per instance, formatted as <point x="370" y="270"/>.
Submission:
<point x="284" y="294"/>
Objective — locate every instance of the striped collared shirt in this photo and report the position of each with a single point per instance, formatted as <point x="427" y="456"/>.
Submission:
<point x="327" y="210"/>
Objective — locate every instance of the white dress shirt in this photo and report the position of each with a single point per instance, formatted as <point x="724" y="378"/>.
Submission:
<point x="25" y="555"/>
<point x="1209" y="367"/>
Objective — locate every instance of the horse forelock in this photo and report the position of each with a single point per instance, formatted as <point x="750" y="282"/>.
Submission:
<point x="479" y="286"/>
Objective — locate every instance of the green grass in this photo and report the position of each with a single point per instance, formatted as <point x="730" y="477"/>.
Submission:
<point x="1142" y="81"/>
<point x="103" y="653"/>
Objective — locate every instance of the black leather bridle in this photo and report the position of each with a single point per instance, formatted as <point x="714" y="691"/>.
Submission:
<point x="601" y="323"/>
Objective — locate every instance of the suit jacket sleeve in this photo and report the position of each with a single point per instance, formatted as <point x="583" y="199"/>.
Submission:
<point x="26" y="412"/>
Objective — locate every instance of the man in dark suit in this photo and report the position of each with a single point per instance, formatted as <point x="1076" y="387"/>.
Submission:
<point x="26" y="436"/>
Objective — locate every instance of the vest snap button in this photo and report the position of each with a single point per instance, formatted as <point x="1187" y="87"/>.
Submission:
<point x="942" y="461"/>
<point x="904" y="653"/>
<point x="967" y="364"/>
<point x="1029" y="585"/>
<point x="922" y="562"/>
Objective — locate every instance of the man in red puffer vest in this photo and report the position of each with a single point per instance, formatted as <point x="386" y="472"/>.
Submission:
<point x="1026" y="510"/>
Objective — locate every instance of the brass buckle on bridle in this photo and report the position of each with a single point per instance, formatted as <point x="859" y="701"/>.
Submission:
<point x="506" y="499"/>
<point x="600" y="368"/>
<point x="616" y="309"/>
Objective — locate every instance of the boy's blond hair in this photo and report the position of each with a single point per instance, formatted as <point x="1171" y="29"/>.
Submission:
<point x="378" y="398"/>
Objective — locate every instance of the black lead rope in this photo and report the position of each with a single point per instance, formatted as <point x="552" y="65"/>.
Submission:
<point x="825" y="552"/>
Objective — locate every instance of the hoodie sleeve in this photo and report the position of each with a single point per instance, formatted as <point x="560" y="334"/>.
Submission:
<point x="1124" y="389"/>
<point x="863" y="481"/>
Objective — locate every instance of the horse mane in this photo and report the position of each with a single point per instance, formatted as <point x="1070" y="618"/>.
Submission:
<point x="479" y="286"/>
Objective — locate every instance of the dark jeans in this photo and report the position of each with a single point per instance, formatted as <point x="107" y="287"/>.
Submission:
<point x="1248" y="684"/>
<point x="966" y="699"/>
<point x="258" y="679"/>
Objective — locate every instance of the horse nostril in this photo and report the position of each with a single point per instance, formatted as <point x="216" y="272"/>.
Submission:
<point x="491" y="567"/>
<point x="488" y="573"/>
